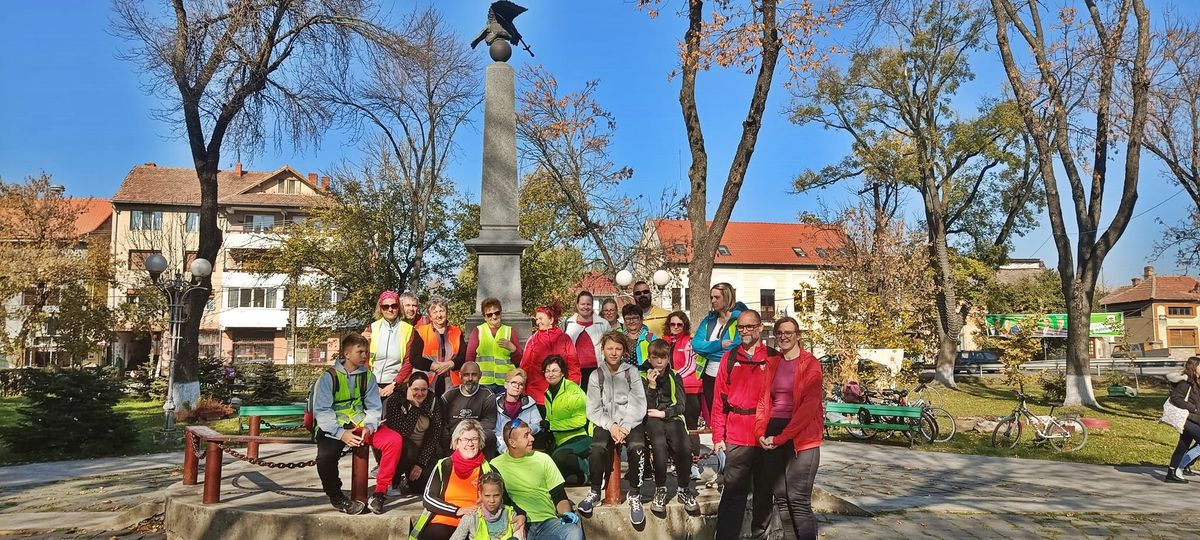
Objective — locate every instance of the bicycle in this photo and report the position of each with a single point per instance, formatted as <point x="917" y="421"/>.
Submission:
<point x="1063" y="433"/>
<point x="927" y="423"/>
<point x="923" y="397"/>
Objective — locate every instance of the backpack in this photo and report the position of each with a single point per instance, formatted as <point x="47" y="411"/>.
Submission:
<point x="310" y="420"/>
<point x="852" y="392"/>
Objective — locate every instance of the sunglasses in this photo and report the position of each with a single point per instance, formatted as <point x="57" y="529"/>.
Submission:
<point x="641" y="293"/>
<point x="676" y="324"/>
<point x="516" y="423"/>
<point x="389" y="307"/>
<point x="492" y="314"/>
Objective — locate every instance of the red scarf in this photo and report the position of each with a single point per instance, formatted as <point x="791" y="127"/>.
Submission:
<point x="463" y="467"/>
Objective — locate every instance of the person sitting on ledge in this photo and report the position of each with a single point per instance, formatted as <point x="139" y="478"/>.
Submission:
<point x="346" y="408"/>
<point x="452" y="490"/>
<point x="536" y="488"/>
<point x="491" y="519"/>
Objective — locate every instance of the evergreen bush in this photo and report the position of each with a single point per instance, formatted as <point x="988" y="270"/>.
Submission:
<point x="217" y="379"/>
<point x="69" y="413"/>
<point x="263" y="385"/>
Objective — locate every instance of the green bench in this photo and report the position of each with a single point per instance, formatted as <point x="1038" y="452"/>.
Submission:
<point x="870" y="419"/>
<point x="258" y="415"/>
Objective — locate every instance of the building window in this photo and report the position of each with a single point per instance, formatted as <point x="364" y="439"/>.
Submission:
<point x="188" y="258"/>
<point x="250" y="297"/>
<point x="289" y="185"/>
<point x="1181" y="337"/>
<point x="804" y="300"/>
<point x="1181" y="311"/>
<point x="137" y="258"/>
<point x="142" y="220"/>
<point x="766" y="303"/>
<point x="258" y="222"/>
<point x="253" y="351"/>
<point x="339" y="296"/>
<point x="723" y="250"/>
<point x="192" y="222"/>
<point x="242" y="259"/>
<point x="799" y="252"/>
<point x="680" y="249"/>
<point x="822" y="253"/>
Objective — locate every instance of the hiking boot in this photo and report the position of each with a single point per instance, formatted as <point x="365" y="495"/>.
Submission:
<point x="636" y="515"/>
<point x="660" y="500"/>
<point x="349" y="506"/>
<point x="375" y="503"/>
<point x="591" y="501"/>
<point x="1173" y="476"/>
<point x="687" y="497"/>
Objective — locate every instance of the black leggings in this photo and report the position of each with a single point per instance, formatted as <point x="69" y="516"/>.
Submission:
<point x="710" y="390"/>
<point x="793" y="492"/>
<point x="436" y="531"/>
<point x="600" y="461"/>
<point x="668" y="438"/>
<point x="691" y="416"/>
<point x="1191" y="432"/>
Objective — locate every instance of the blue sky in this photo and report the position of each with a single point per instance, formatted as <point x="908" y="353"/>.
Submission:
<point x="71" y="108"/>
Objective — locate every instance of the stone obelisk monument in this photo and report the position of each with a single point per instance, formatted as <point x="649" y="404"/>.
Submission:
<point x="499" y="245"/>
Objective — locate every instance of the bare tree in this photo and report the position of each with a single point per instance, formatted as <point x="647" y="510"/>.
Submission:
<point x="566" y="136"/>
<point x="1173" y="133"/>
<point x="240" y="72"/>
<point x="417" y="98"/>
<point x="749" y="36"/>
<point x="1080" y="64"/>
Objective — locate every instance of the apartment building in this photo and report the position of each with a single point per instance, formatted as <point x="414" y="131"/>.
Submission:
<point x="156" y="210"/>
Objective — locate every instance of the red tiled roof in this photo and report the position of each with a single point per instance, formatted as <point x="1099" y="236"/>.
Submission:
<point x="149" y="184"/>
<point x="1169" y="288"/>
<point x="755" y="243"/>
<point x="94" y="214"/>
<point x="596" y="283"/>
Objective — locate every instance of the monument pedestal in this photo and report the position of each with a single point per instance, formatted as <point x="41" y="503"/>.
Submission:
<point x="499" y="245"/>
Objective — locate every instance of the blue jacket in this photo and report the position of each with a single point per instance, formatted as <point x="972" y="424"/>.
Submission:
<point x="712" y="351"/>
<point x="529" y="413"/>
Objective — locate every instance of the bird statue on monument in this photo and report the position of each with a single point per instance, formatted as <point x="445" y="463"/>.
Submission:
<point x="500" y="25"/>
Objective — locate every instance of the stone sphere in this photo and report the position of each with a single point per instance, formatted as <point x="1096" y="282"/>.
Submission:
<point x="500" y="50"/>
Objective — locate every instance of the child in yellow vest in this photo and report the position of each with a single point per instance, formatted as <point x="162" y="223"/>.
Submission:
<point x="491" y="519"/>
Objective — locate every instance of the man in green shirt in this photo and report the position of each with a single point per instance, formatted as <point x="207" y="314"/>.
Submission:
<point x="536" y="487"/>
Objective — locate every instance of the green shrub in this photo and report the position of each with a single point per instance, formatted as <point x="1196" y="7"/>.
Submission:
<point x="13" y="381"/>
<point x="216" y="379"/>
<point x="1054" y="385"/>
<point x="262" y="384"/>
<point x="69" y="412"/>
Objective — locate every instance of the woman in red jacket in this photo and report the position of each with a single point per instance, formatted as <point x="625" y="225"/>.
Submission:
<point x="789" y="421"/>
<point x="547" y="339"/>
<point x="683" y="360"/>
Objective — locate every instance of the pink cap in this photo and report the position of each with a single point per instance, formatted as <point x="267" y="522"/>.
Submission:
<point x="388" y="295"/>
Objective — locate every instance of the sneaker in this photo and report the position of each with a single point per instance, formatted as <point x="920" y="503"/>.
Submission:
<point x="375" y="503"/>
<point x="695" y="472"/>
<point x="636" y="515"/>
<point x="1187" y="471"/>
<point x="588" y="503"/>
<point x="660" y="500"/>
<point x="349" y="506"/>
<point x="688" y="498"/>
<point x="1173" y="477"/>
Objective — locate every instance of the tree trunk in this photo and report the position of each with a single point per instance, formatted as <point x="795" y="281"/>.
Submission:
<point x="186" y="366"/>
<point x="1079" y="315"/>
<point x="699" y="286"/>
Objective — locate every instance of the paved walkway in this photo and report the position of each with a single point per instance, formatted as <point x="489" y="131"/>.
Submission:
<point x="913" y="494"/>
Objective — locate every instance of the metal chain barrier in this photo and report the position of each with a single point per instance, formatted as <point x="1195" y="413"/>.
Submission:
<point x="265" y="463"/>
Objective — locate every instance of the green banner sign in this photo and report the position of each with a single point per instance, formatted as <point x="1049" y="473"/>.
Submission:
<point x="1053" y="325"/>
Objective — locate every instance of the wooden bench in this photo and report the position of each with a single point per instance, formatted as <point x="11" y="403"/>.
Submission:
<point x="875" y="417"/>
<point x="256" y="413"/>
<point x="195" y="436"/>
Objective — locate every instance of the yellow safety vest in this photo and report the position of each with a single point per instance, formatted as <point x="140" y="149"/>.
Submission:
<point x="405" y="336"/>
<point x="349" y="407"/>
<point x="494" y="361"/>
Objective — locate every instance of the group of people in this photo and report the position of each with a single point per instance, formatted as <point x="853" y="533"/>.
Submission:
<point x="521" y="423"/>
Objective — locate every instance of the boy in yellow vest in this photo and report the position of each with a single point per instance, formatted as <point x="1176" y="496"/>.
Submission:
<point x="346" y="407"/>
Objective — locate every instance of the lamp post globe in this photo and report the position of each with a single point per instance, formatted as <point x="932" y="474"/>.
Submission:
<point x="662" y="278"/>
<point x="624" y="278"/>
<point x="156" y="264"/>
<point x="201" y="268"/>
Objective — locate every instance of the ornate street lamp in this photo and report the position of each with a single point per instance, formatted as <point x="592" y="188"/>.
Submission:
<point x="176" y="287"/>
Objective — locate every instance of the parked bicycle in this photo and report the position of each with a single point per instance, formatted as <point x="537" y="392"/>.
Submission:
<point x="1065" y="434"/>
<point x="934" y="425"/>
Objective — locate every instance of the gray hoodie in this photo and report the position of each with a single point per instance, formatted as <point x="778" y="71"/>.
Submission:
<point x="323" y="401"/>
<point x="616" y="398"/>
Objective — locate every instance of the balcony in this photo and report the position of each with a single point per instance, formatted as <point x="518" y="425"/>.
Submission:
<point x="254" y="318"/>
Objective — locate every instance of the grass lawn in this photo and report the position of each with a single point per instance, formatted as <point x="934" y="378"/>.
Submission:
<point x="1135" y="437"/>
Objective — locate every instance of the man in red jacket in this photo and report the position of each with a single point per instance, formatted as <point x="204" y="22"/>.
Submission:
<point x="739" y="385"/>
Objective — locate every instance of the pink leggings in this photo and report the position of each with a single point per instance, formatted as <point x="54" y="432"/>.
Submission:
<point x="389" y="443"/>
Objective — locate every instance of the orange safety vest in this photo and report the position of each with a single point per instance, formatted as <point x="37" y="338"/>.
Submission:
<point x="430" y="338"/>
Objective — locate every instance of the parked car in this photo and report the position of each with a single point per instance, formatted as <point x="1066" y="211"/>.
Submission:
<point x="976" y="361"/>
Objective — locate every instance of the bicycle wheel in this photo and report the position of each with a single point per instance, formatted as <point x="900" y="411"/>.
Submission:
<point x="1067" y="434"/>
<point x="927" y="428"/>
<point x="1006" y="434"/>
<point x="946" y="427"/>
